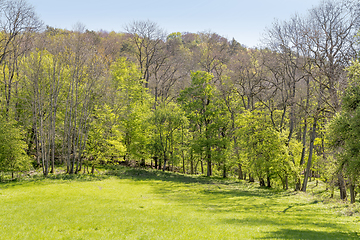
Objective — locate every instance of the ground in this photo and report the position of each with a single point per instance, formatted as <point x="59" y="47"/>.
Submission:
<point x="147" y="204"/>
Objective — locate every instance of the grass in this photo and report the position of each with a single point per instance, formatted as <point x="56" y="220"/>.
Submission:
<point x="146" y="204"/>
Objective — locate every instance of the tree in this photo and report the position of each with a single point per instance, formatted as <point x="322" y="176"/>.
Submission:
<point x="18" y="22"/>
<point x="131" y="104"/>
<point x="148" y="39"/>
<point x="167" y="120"/>
<point x="12" y="148"/>
<point x="264" y="148"/>
<point x="344" y="131"/>
<point x="206" y="114"/>
<point x="105" y="141"/>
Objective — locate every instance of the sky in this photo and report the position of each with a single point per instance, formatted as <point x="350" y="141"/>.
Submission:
<point x="244" y="20"/>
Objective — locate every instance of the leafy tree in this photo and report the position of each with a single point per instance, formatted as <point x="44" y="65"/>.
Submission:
<point x="12" y="148"/>
<point x="206" y="113"/>
<point x="131" y="104"/>
<point x="167" y="120"/>
<point x="344" y="131"/>
<point x="104" y="140"/>
<point x="265" y="148"/>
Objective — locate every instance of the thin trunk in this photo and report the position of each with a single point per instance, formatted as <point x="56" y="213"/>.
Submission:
<point x="308" y="166"/>
<point x="165" y="160"/>
<point x="156" y="161"/>
<point x="224" y="171"/>
<point x="240" y="172"/>
<point x="208" y="160"/>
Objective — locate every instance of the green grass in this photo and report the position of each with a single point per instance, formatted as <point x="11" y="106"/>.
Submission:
<point x="140" y="204"/>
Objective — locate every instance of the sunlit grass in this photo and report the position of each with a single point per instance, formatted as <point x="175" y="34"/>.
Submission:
<point x="139" y="204"/>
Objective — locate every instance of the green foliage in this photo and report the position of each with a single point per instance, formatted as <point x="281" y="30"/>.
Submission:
<point x="131" y="104"/>
<point x="12" y="148"/>
<point x="175" y="36"/>
<point x="264" y="148"/>
<point x="167" y="121"/>
<point x="105" y="141"/>
<point x="207" y="115"/>
<point x="344" y="129"/>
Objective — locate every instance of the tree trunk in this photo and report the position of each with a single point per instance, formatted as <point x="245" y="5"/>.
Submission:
<point x="209" y="172"/>
<point x="268" y="181"/>
<point x="142" y="162"/>
<point x="251" y="178"/>
<point x="352" y="192"/>
<point x="240" y="172"/>
<point x="165" y="160"/>
<point x="262" y="182"/>
<point x="224" y="171"/>
<point x="183" y="161"/>
<point x="308" y="166"/>
<point x="342" y="186"/>
<point x="156" y="162"/>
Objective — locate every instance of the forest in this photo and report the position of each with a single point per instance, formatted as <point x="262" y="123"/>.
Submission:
<point x="195" y="103"/>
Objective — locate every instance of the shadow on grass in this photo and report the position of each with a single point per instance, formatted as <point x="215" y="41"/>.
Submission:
<point x="216" y="187"/>
<point x="309" y="234"/>
<point x="41" y="179"/>
<point x="253" y="205"/>
<point x="287" y="221"/>
<point x="139" y="174"/>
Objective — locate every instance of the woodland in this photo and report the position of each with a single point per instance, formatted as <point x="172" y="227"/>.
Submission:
<point x="195" y="103"/>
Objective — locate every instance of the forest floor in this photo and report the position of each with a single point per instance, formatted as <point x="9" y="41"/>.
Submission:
<point x="130" y="203"/>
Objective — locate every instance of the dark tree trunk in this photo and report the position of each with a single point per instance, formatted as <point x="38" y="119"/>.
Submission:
<point x="251" y="178"/>
<point x="262" y="182"/>
<point x="268" y="181"/>
<point x="352" y="192"/>
<point x="241" y="175"/>
<point x="342" y="186"/>
<point x="156" y="162"/>
<point x="142" y="162"/>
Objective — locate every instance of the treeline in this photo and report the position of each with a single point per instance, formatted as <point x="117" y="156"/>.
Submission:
<point x="191" y="102"/>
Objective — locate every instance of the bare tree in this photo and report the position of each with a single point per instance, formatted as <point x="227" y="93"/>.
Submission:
<point x="17" y="22"/>
<point x="318" y="46"/>
<point x="147" y="38"/>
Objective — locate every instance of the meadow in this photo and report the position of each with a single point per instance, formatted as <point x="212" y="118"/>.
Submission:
<point x="131" y="203"/>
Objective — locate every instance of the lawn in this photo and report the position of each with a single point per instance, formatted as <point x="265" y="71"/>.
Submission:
<point x="147" y="204"/>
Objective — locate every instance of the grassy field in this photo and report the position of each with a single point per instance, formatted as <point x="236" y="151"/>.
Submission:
<point x="145" y="204"/>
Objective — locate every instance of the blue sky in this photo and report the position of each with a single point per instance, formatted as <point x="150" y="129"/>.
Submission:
<point x="243" y="20"/>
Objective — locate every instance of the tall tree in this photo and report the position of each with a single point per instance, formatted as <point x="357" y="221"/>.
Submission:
<point x="345" y="131"/>
<point x="206" y="113"/>
<point x="148" y="39"/>
<point x="18" y="22"/>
